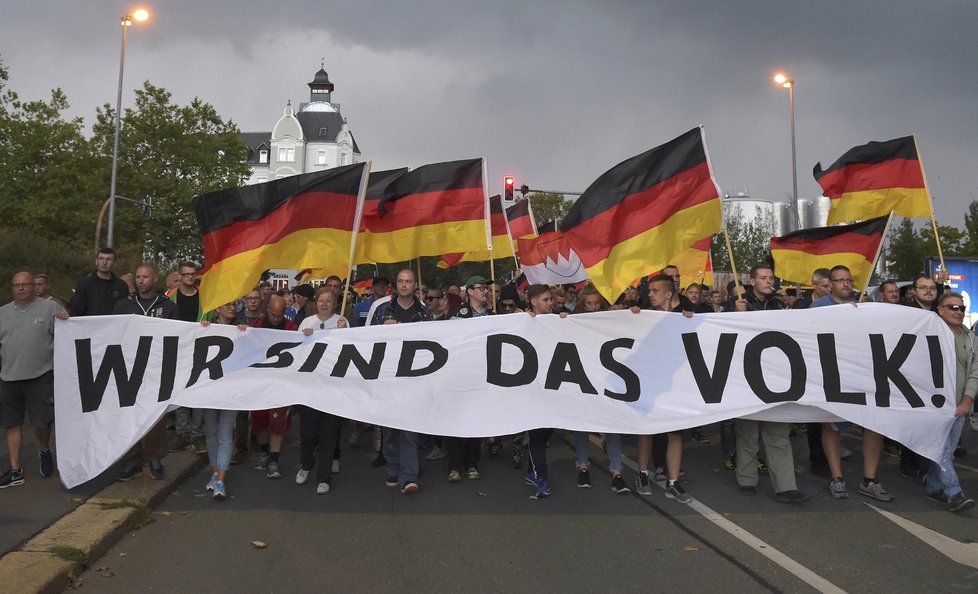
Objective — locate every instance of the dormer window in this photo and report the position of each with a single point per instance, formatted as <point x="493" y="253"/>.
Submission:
<point x="263" y="156"/>
<point x="322" y="132"/>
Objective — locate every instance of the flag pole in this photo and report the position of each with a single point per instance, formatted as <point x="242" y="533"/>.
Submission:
<point x="733" y="265"/>
<point x="723" y="219"/>
<point x="879" y="250"/>
<point x="930" y="201"/>
<point x="419" y="272"/>
<point x="487" y="215"/>
<point x="364" y="180"/>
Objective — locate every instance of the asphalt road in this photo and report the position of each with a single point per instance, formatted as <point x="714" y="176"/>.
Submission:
<point x="487" y="535"/>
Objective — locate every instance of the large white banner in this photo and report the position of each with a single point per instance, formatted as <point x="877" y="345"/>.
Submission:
<point x="884" y="367"/>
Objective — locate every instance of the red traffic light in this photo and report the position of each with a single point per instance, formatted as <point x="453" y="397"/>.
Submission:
<point x="509" y="181"/>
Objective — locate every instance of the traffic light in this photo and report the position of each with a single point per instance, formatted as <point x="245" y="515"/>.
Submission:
<point x="509" y="182"/>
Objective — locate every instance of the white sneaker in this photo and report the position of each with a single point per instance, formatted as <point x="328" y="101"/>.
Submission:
<point x="336" y="465"/>
<point x="301" y="477"/>
<point x="436" y="453"/>
<point x="322" y="488"/>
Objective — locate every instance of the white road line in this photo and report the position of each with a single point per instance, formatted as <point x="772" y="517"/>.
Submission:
<point x="959" y="552"/>
<point x="785" y="562"/>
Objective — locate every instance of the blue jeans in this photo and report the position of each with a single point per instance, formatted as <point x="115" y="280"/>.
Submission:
<point x="612" y="444"/>
<point x="219" y="431"/>
<point x="401" y="453"/>
<point x="946" y="480"/>
<point x="188" y="422"/>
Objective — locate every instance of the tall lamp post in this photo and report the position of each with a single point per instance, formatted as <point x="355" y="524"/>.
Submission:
<point x="126" y="21"/>
<point x="789" y="83"/>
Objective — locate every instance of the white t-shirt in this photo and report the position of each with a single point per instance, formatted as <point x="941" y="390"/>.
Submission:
<point x="315" y="323"/>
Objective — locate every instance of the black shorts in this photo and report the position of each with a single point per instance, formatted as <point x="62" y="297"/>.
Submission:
<point x="35" y="397"/>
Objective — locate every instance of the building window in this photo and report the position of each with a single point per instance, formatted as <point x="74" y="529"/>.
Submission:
<point x="322" y="131"/>
<point x="320" y="157"/>
<point x="263" y="156"/>
<point x="343" y="159"/>
<point x="261" y="180"/>
<point x="286" y="154"/>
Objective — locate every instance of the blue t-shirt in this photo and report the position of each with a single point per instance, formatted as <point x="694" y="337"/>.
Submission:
<point x="827" y="300"/>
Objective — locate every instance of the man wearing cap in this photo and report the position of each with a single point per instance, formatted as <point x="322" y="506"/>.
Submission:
<point x="302" y="294"/>
<point x="463" y="452"/>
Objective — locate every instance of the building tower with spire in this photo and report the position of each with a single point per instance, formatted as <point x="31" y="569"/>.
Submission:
<point x="312" y="138"/>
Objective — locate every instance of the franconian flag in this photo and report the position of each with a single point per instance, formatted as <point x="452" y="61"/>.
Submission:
<point x="550" y="260"/>
<point x="643" y="212"/>
<point x="298" y="222"/>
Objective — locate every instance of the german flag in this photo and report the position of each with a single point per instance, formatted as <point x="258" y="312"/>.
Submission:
<point x="303" y="221"/>
<point x="521" y="224"/>
<point x="694" y="263"/>
<point x="798" y="254"/>
<point x="502" y="244"/>
<point x="643" y="212"/>
<point x="873" y="179"/>
<point x="435" y="209"/>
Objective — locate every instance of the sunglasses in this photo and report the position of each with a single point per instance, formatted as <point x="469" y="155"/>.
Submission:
<point x="959" y="308"/>
<point x="507" y="306"/>
<point x="433" y="297"/>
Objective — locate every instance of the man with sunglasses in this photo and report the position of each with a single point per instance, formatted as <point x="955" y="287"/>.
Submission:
<point x="840" y="293"/>
<point x="942" y="484"/>
<point x="437" y="304"/>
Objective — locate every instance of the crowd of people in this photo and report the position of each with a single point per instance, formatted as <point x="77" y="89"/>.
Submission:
<point x="234" y="437"/>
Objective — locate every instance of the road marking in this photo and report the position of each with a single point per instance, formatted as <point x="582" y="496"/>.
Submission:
<point x="785" y="562"/>
<point x="959" y="552"/>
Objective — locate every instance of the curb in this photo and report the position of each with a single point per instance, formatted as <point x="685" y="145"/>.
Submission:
<point x="49" y="561"/>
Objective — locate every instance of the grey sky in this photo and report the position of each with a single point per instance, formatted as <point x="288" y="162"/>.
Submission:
<point x="552" y="92"/>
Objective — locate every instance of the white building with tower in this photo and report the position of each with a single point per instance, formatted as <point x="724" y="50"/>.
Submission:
<point x="311" y="138"/>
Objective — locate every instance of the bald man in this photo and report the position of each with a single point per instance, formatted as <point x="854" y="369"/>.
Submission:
<point x="26" y="378"/>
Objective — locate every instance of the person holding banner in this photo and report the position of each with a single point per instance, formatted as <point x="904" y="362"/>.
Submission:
<point x="540" y="301"/>
<point x="942" y="484"/>
<point x="319" y="432"/>
<point x="662" y="290"/>
<point x="590" y="300"/>
<point x="146" y="301"/>
<point x="780" y="458"/>
<point x="463" y="452"/>
<point x="400" y="447"/>
<point x="219" y="424"/>
<point x="840" y="292"/>
<point x="271" y="426"/>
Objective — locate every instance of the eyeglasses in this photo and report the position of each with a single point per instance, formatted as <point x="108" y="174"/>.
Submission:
<point x="191" y="274"/>
<point x="845" y="281"/>
<point x="925" y="289"/>
<point x="507" y="306"/>
<point x="959" y="308"/>
<point x="480" y="288"/>
<point x="252" y="298"/>
<point x="433" y="297"/>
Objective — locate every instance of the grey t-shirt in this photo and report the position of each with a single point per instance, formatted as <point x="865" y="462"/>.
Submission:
<point x="27" y="339"/>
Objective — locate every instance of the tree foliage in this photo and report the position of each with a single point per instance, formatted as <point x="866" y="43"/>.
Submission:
<point x="750" y="240"/>
<point x="167" y="155"/>
<point x="548" y="207"/>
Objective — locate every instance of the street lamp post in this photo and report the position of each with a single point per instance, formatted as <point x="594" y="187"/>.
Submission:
<point x="125" y="21"/>
<point x="789" y="84"/>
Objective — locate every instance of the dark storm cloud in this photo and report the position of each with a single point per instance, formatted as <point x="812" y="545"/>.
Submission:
<point x="554" y="92"/>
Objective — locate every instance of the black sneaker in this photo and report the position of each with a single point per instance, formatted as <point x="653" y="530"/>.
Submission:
<point x="47" y="463"/>
<point x="156" y="470"/>
<point x="130" y="472"/>
<point x="583" y="478"/>
<point x="937" y="497"/>
<point x="697" y="435"/>
<point x="750" y="490"/>
<point x="793" y="496"/>
<point x="618" y="485"/>
<point x="642" y="486"/>
<point x="675" y="491"/>
<point x="12" y="478"/>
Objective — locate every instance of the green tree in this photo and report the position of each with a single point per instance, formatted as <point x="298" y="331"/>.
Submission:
<point x="952" y="240"/>
<point x="750" y="240"/>
<point x="167" y="155"/>
<point x="906" y="251"/>
<point x="970" y="245"/>
<point x="548" y="207"/>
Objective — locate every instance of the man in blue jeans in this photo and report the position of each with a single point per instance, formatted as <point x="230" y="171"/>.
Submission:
<point x="401" y="447"/>
<point x="942" y="483"/>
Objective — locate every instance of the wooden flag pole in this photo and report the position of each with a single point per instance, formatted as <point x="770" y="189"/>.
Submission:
<point x="492" y="282"/>
<point x="879" y="250"/>
<point x="733" y="266"/>
<point x="356" y="232"/>
<point x="420" y="284"/>
<point x="930" y="201"/>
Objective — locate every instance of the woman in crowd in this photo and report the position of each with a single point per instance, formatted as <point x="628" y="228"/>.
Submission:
<point x="589" y="300"/>
<point x="319" y="432"/>
<point x="219" y="424"/>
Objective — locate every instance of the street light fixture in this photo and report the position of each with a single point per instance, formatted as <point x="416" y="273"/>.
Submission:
<point x="126" y="20"/>
<point x="789" y="83"/>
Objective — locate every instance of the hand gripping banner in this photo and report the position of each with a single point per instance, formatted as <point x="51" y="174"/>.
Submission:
<point x="616" y="372"/>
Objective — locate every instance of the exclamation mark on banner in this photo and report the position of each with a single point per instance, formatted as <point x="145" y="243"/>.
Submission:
<point x="936" y="369"/>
